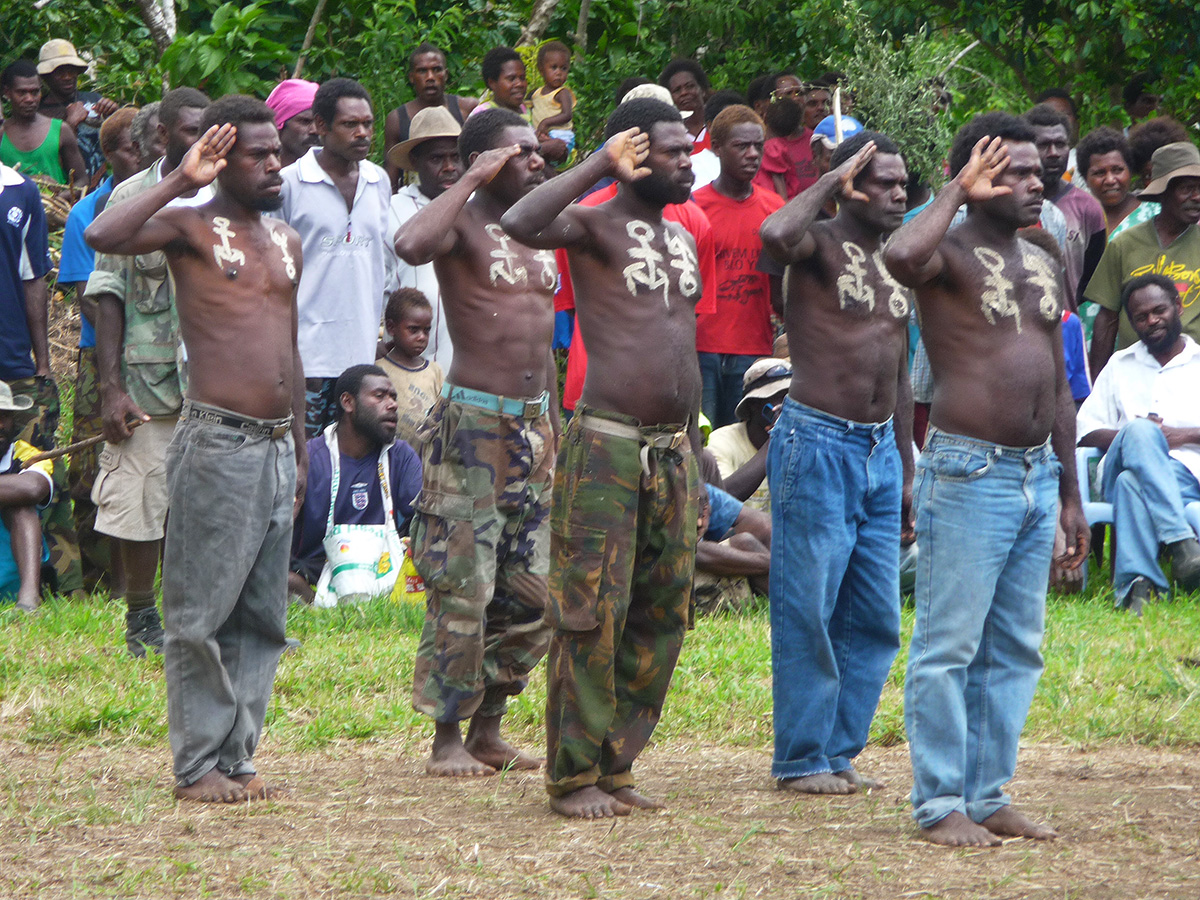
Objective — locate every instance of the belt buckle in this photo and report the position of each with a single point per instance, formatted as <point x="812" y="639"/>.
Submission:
<point x="533" y="409"/>
<point x="280" y="430"/>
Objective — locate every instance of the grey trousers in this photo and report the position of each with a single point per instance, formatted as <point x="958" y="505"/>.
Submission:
<point x="224" y="581"/>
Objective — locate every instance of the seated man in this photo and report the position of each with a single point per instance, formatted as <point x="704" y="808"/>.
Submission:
<point x="733" y="557"/>
<point x="22" y="494"/>
<point x="363" y="435"/>
<point x="1144" y="412"/>
<point x="741" y="448"/>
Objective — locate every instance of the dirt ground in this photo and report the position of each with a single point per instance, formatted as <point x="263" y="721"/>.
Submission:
<point x="365" y="821"/>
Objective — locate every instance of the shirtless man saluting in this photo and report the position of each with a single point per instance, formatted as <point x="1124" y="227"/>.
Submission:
<point x="839" y="466"/>
<point x="623" y="538"/>
<point x="999" y="458"/>
<point x="481" y="528"/>
<point x="236" y="465"/>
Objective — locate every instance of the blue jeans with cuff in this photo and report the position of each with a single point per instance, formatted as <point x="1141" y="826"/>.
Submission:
<point x="834" y="584"/>
<point x="986" y="516"/>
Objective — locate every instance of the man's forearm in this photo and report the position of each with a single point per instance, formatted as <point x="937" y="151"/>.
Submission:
<point x="37" y="320"/>
<point x="746" y="480"/>
<point x="110" y="337"/>
<point x="912" y="247"/>
<point x="530" y="216"/>
<point x="783" y="231"/>
<point x="116" y="229"/>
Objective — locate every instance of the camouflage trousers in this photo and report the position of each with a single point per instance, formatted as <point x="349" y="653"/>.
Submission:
<point x="38" y="426"/>
<point x="95" y="549"/>
<point x="480" y="540"/>
<point x="622" y="551"/>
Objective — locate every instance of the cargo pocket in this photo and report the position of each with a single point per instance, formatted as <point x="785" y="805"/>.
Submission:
<point x="443" y="542"/>
<point x="575" y="585"/>
<point x="109" y="463"/>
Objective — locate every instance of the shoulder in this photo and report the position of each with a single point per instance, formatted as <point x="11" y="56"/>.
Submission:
<point x="768" y="200"/>
<point x="134" y="184"/>
<point x="691" y="217"/>
<point x="705" y="197"/>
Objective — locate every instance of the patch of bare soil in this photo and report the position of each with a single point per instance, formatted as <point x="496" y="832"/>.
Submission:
<point x="361" y="821"/>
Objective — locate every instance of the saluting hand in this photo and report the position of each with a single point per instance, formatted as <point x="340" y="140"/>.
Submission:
<point x="488" y="164"/>
<point x="988" y="159"/>
<point x="627" y="150"/>
<point x="206" y="158"/>
<point x="848" y="171"/>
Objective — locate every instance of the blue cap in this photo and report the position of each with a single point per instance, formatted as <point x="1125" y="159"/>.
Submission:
<point x="827" y="133"/>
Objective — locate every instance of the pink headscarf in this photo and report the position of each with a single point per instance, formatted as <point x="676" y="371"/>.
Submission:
<point x="290" y="97"/>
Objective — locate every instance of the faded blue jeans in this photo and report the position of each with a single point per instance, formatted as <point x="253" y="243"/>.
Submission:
<point x="834" y="583"/>
<point x="985" y="534"/>
<point x="1148" y="490"/>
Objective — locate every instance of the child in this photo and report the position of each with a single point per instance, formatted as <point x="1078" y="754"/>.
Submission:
<point x="408" y="319"/>
<point x="554" y="102"/>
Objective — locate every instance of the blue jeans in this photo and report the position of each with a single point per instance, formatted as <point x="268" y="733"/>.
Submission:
<point x="985" y="533"/>
<point x="1148" y="490"/>
<point x="834" y="584"/>
<point x="721" y="377"/>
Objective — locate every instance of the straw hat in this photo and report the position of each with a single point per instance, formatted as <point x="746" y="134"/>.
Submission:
<point x="9" y="403"/>
<point x="55" y="53"/>
<point x="430" y="123"/>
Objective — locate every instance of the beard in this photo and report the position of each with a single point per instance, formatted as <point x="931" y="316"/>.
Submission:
<point x="1172" y="334"/>
<point x="266" y="203"/>
<point x="659" y="190"/>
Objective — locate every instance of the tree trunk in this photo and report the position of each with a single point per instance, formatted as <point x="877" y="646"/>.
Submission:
<point x="159" y="16"/>
<point x="581" y="28"/>
<point x="308" y="38"/>
<point x="538" y="20"/>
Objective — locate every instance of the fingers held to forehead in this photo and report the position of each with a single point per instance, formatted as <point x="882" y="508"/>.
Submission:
<point x="219" y="138"/>
<point x="992" y="152"/>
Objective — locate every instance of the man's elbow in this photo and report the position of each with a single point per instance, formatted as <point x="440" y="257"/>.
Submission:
<point x="97" y="239"/>
<point x="513" y="225"/>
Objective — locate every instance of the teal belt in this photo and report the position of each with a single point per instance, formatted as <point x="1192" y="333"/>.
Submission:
<point x="526" y="409"/>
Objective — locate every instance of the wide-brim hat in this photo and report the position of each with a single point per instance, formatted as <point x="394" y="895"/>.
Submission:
<point x="55" y="53"/>
<point x="765" y="378"/>
<point x="432" y="122"/>
<point x="1178" y="160"/>
<point x="11" y="403"/>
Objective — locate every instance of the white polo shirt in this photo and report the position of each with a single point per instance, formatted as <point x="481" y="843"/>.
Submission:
<point x="405" y="204"/>
<point x="346" y="259"/>
<point x="1134" y="385"/>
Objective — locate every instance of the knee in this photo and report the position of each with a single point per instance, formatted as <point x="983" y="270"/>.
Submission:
<point x="1144" y="435"/>
<point x="1127" y="483"/>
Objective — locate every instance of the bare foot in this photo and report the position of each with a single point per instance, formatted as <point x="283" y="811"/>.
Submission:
<point x="956" y="830"/>
<point x="212" y="787"/>
<point x="588" y="803"/>
<point x="860" y="782"/>
<point x="256" y="788"/>
<point x="630" y="797"/>
<point x="821" y="783"/>
<point x="485" y="744"/>
<point x="456" y="762"/>
<point x="500" y="754"/>
<point x="1009" y="822"/>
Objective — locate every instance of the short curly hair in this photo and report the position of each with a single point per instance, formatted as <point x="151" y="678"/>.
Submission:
<point x="675" y="66"/>
<point x="992" y="124"/>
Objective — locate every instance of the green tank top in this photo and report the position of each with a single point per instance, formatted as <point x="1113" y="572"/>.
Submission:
<point x="42" y="160"/>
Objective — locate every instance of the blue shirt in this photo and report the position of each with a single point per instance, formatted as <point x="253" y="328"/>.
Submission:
<point x="1075" y="357"/>
<point x="724" y="511"/>
<point x="78" y="259"/>
<point x="359" y="500"/>
<point x="24" y="256"/>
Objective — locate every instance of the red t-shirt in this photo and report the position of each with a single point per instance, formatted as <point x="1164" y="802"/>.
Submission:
<point x="742" y="322"/>
<point x="692" y="218"/>
<point x="790" y="157"/>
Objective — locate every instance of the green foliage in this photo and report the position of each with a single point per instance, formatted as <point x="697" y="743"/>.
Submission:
<point x="896" y="85"/>
<point x="230" y="53"/>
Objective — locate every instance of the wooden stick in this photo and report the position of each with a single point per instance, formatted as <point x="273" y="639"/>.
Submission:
<point x="70" y="448"/>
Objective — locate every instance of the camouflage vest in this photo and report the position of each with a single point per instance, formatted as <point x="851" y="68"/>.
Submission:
<point x="151" y="359"/>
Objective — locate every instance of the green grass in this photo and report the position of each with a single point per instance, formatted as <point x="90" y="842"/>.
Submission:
<point x="65" y="679"/>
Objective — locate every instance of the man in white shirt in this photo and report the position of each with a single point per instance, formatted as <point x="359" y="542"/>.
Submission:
<point x="1144" y="412"/>
<point x="432" y="153"/>
<point x="338" y="202"/>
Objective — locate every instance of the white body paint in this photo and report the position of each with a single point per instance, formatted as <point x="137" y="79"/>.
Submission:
<point x="997" y="297"/>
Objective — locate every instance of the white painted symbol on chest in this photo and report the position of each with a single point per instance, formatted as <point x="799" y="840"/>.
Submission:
<point x="852" y="289"/>
<point x="279" y="239"/>
<point x="683" y="259"/>
<point x="549" y="273"/>
<point x="222" y="252"/>
<point x="899" y="301"/>
<point x="505" y="266"/>
<point x="1042" y="276"/>
<point x="645" y="271"/>
<point x="997" y="297"/>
